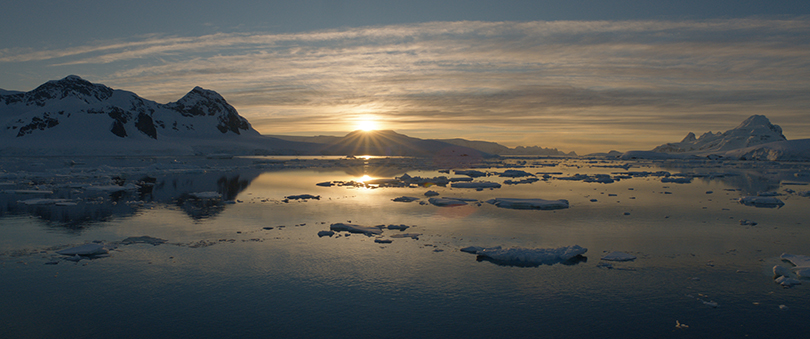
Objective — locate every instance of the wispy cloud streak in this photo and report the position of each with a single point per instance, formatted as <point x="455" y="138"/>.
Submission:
<point x="570" y="82"/>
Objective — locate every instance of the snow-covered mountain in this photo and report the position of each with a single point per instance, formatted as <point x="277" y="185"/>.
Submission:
<point x="75" y="116"/>
<point x="755" y="130"/>
<point x="754" y="139"/>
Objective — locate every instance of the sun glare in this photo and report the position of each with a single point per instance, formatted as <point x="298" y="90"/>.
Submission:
<point x="366" y="125"/>
<point x="365" y="178"/>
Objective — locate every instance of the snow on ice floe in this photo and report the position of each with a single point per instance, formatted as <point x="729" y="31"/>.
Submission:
<point x="526" y="257"/>
<point x="756" y="201"/>
<point x="352" y="228"/>
<point x="529" y="204"/>
<point x="618" y="256"/>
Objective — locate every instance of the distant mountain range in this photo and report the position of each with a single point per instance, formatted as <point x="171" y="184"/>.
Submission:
<point x="754" y="139"/>
<point x="73" y="116"/>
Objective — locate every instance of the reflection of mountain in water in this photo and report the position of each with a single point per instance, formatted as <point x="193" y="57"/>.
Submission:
<point x="74" y="206"/>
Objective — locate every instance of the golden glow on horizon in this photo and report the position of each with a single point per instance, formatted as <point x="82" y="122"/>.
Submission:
<point x="365" y="178"/>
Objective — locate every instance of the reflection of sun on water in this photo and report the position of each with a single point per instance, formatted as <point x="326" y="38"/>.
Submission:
<point x="365" y="178"/>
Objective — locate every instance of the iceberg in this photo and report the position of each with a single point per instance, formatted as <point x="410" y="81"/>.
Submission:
<point x="352" y="228"/>
<point x="527" y="257"/>
<point x="529" y="204"/>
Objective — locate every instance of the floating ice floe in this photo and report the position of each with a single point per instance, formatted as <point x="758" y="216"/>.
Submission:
<point x="786" y="281"/>
<point x="111" y="188"/>
<point x="802" y="263"/>
<point x="326" y="233"/>
<point x="768" y="202"/>
<point x="431" y="193"/>
<point x="401" y="227"/>
<point x="448" y="202"/>
<point x="414" y="236"/>
<point x="529" y="204"/>
<point x="60" y="202"/>
<point x="303" y="197"/>
<point x="205" y="195"/>
<point x="143" y="240"/>
<point x="383" y="241"/>
<point x="619" y="256"/>
<point x="352" y="228"/>
<point x="471" y="173"/>
<point x="84" y="250"/>
<point x="685" y="180"/>
<point x="515" y="174"/>
<point x="746" y="222"/>
<point x="476" y="185"/>
<point x="27" y="192"/>
<point x="527" y="257"/>
<point x="405" y="199"/>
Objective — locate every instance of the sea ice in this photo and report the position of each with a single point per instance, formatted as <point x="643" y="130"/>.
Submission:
<point x="303" y="197"/>
<point x="516" y="174"/>
<point x="476" y="185"/>
<point x="802" y="263"/>
<point x="471" y="173"/>
<point x="685" y="180"/>
<point x="143" y="240"/>
<point x="431" y="193"/>
<point x="405" y="199"/>
<point x="398" y="227"/>
<point x="618" y="256"/>
<point x="769" y="202"/>
<point x="526" y="204"/>
<point x="205" y="195"/>
<point x="326" y="233"/>
<point x="383" y="241"/>
<point x="787" y="282"/>
<point x="84" y="250"/>
<point x="352" y="228"/>
<point x="446" y="202"/>
<point x="414" y="236"/>
<point x="44" y="201"/>
<point x="518" y="256"/>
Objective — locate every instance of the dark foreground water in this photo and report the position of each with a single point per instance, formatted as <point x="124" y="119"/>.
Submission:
<point x="250" y="264"/>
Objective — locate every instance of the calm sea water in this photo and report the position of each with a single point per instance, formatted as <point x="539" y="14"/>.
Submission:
<point x="221" y="273"/>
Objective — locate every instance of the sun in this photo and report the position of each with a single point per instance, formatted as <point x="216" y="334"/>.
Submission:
<point x="366" y="125"/>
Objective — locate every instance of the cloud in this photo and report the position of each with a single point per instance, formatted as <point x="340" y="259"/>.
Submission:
<point x="575" y="82"/>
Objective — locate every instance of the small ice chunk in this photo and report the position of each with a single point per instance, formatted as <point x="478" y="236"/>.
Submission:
<point x="303" y="197"/>
<point x="143" y="240"/>
<point x="383" y="241"/>
<point x="112" y="188"/>
<point x="798" y="260"/>
<point x="405" y="199"/>
<point x="325" y="184"/>
<point x="326" y="233"/>
<point x="476" y="249"/>
<point x="618" y="256"/>
<point x="769" y="202"/>
<point x="471" y="173"/>
<point x="516" y="174"/>
<point x="518" y="256"/>
<point x="525" y="204"/>
<point x="398" y="227"/>
<point x="746" y="222"/>
<point x="44" y="201"/>
<point x="431" y="193"/>
<point x="414" y="236"/>
<point x="352" y="228"/>
<point x="86" y="249"/>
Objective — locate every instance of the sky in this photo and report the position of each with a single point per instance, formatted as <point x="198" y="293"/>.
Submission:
<point x="578" y="75"/>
